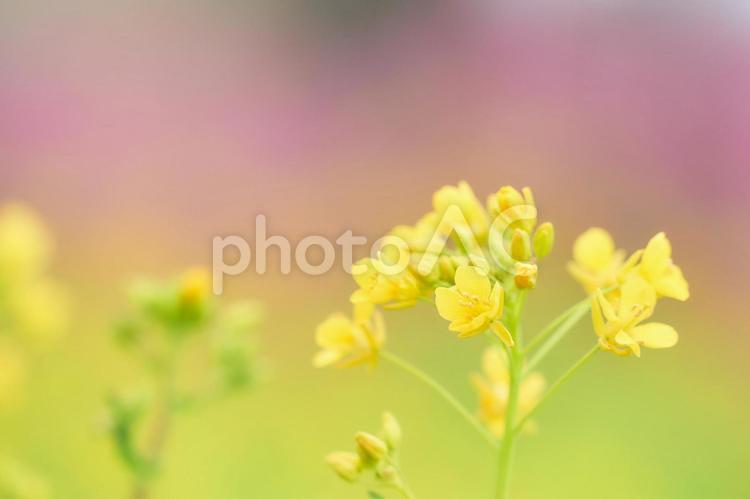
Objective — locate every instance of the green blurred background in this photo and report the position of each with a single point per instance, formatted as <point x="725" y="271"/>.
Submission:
<point x="141" y="130"/>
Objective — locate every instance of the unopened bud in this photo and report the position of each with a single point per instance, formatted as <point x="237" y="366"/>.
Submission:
<point x="520" y="246"/>
<point x="544" y="240"/>
<point x="195" y="285"/>
<point x="391" y="431"/>
<point x="347" y="465"/>
<point x="525" y="275"/>
<point x="387" y="474"/>
<point x="508" y="197"/>
<point x="371" y="448"/>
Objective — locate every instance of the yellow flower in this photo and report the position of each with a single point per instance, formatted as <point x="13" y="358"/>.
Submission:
<point x="348" y="342"/>
<point x="462" y="197"/>
<point x="417" y="237"/>
<point x="31" y="305"/>
<point x="596" y="262"/>
<point x="473" y="304"/>
<point x="619" y="326"/>
<point x="25" y="244"/>
<point x="493" y="387"/>
<point x="657" y="268"/>
<point x="400" y="290"/>
<point x="38" y="310"/>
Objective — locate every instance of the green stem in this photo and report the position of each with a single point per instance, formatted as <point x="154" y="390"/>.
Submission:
<point x="557" y="330"/>
<point x="404" y="490"/>
<point x="556" y="385"/>
<point x="515" y="372"/>
<point x="507" y="448"/>
<point x="440" y="390"/>
<point x="160" y="428"/>
<point x="552" y="326"/>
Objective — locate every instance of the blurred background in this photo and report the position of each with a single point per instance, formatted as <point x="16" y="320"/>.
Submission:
<point x="141" y="130"/>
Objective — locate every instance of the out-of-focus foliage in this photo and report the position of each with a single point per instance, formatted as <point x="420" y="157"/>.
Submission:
<point x="192" y="349"/>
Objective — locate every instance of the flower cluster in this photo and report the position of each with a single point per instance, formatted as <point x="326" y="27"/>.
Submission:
<point x="171" y="327"/>
<point x="377" y="455"/>
<point x="625" y="291"/>
<point x="475" y="263"/>
<point x="33" y="306"/>
<point x="469" y="258"/>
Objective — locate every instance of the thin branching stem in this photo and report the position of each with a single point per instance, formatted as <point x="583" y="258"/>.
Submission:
<point x="557" y="384"/>
<point x="440" y="390"/>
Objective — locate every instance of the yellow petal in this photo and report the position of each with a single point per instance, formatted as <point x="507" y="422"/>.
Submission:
<point x="502" y="332"/>
<point x="594" y="249"/>
<point x="471" y="328"/>
<point x="624" y="339"/>
<point x="606" y="307"/>
<point x="597" y="318"/>
<point x="448" y="302"/>
<point x="497" y="300"/>
<point x="657" y="254"/>
<point x="655" y="335"/>
<point x="635" y="291"/>
<point x="335" y="332"/>
<point x="473" y="281"/>
<point x="673" y="284"/>
<point x="325" y="358"/>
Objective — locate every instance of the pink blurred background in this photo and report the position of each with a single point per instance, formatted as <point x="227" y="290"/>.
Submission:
<point x="142" y="130"/>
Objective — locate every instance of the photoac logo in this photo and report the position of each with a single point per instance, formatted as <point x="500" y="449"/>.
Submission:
<point x="419" y="247"/>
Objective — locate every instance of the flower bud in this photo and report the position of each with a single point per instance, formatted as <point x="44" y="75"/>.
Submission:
<point x="520" y="246"/>
<point x="347" y="465"/>
<point x="371" y="448"/>
<point x="391" y="431"/>
<point x="528" y="196"/>
<point x="525" y="275"/>
<point x="195" y="285"/>
<point x="544" y="240"/>
<point x="387" y="474"/>
<point x="508" y="197"/>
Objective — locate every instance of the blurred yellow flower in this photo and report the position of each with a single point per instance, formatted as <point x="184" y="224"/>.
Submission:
<point x="25" y="244"/>
<point x="33" y="307"/>
<point x="595" y="263"/>
<point x="38" y="310"/>
<point x="493" y="385"/>
<point x="657" y="268"/>
<point x="399" y="290"/>
<point x="462" y="197"/>
<point x="619" y="325"/>
<point x="346" y="342"/>
<point x="417" y="237"/>
<point x="473" y="304"/>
